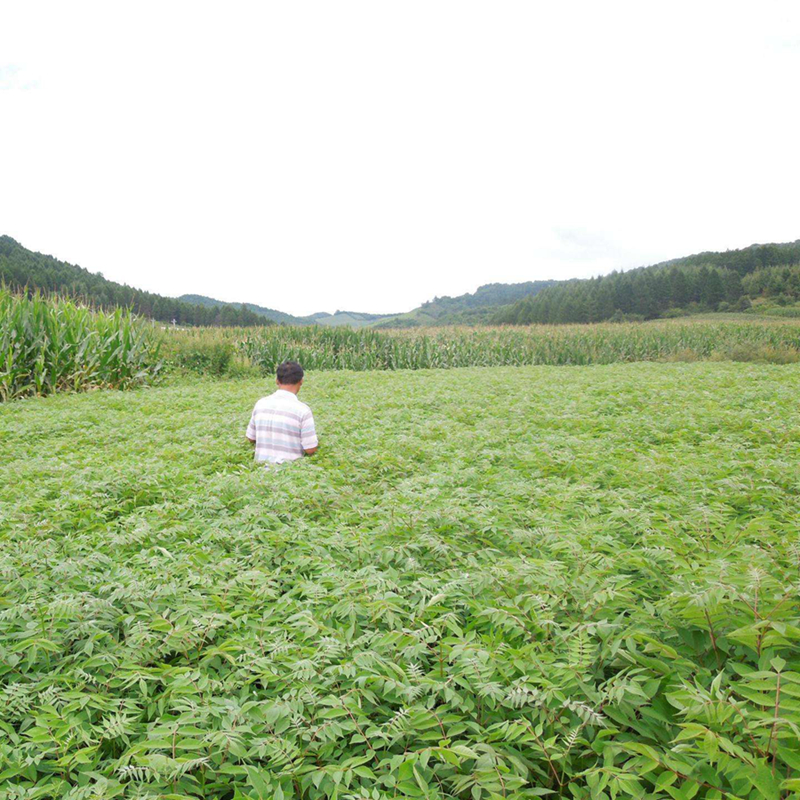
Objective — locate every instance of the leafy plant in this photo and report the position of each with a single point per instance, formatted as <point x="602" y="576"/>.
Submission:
<point x="507" y="582"/>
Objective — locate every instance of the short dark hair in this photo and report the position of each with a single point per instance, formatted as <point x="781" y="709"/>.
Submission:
<point x="289" y="373"/>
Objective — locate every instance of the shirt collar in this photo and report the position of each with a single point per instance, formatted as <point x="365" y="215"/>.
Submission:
<point x="284" y="392"/>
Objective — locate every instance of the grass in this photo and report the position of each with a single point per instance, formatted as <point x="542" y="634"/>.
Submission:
<point x="490" y="583"/>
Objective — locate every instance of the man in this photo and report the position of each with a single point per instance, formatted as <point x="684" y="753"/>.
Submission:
<point x="281" y="427"/>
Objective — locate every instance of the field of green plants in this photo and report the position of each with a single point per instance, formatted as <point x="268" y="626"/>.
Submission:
<point x="215" y="350"/>
<point x="489" y="583"/>
<point x="50" y="345"/>
<point x="56" y="345"/>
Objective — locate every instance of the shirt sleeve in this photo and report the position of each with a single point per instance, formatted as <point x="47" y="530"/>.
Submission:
<point x="251" y="428"/>
<point x="308" y="433"/>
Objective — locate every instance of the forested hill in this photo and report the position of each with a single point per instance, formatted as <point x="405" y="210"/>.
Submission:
<point x="712" y="281"/>
<point x="270" y="313"/>
<point x="21" y="268"/>
<point x="473" y="308"/>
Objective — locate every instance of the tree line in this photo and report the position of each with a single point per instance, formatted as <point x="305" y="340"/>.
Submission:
<point x="23" y="270"/>
<point x="706" y="282"/>
<point x="781" y="284"/>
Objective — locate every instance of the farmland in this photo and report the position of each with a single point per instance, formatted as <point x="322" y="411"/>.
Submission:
<point x="262" y="350"/>
<point x="491" y="582"/>
<point x="51" y="345"/>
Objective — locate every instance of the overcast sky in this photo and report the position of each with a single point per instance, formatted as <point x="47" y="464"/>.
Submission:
<point x="370" y="155"/>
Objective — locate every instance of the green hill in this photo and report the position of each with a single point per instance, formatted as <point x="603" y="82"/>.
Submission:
<point x="766" y="276"/>
<point x="473" y="308"/>
<point x="710" y="281"/>
<point x="21" y="268"/>
<point x="355" y="319"/>
<point x="270" y="313"/>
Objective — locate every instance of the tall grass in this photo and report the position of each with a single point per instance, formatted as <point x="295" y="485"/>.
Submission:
<point x="320" y="348"/>
<point x="53" y="345"/>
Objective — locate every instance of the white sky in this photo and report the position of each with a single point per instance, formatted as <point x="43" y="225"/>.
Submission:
<point x="368" y="156"/>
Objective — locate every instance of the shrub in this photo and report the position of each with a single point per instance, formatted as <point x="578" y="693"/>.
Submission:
<point x="675" y="313"/>
<point x="206" y="358"/>
<point x="762" y="354"/>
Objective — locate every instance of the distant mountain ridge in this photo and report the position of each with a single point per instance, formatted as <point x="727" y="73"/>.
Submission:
<point x="355" y="319"/>
<point x="270" y="313"/>
<point x="21" y="268"/>
<point x="470" y="308"/>
<point x="708" y="281"/>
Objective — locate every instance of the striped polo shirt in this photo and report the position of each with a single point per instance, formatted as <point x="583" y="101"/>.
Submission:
<point x="282" y="427"/>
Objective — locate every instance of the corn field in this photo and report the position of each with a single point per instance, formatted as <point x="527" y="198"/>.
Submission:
<point x="320" y="348"/>
<point x="53" y="345"/>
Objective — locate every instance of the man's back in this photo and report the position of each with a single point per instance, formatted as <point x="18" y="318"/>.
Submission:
<point x="282" y="428"/>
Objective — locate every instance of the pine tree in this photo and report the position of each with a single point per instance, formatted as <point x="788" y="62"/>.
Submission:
<point x="679" y="290"/>
<point x="732" y="286"/>
<point x="714" y="289"/>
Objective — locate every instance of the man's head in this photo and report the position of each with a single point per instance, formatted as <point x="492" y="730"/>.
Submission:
<point x="290" y="376"/>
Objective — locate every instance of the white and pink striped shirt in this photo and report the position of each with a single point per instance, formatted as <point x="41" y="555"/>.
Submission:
<point x="282" y="427"/>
